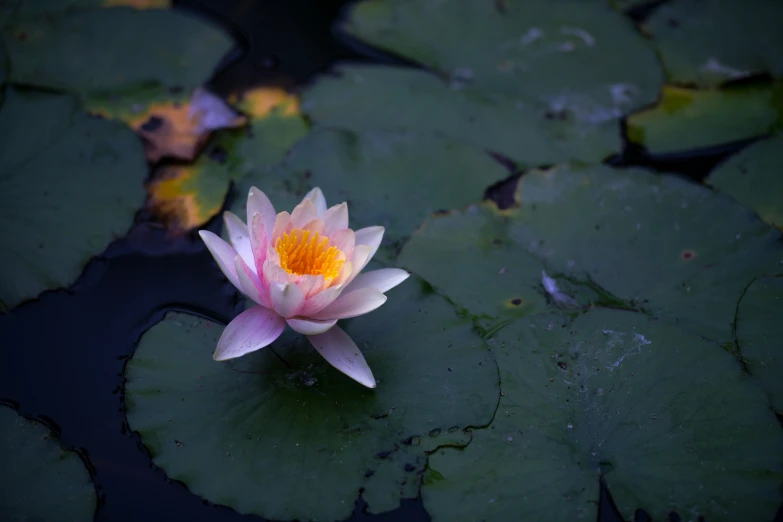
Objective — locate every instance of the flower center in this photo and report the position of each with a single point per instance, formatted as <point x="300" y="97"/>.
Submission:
<point x="304" y="253"/>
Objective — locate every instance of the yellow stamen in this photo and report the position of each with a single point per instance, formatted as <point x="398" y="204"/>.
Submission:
<point x="304" y="253"/>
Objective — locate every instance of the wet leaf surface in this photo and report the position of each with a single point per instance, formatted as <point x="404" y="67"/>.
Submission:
<point x="754" y="177"/>
<point x="759" y="331"/>
<point x="669" y="420"/>
<point x="623" y="238"/>
<point x="104" y="50"/>
<point x="67" y="189"/>
<point x="38" y="480"/>
<point x="533" y="80"/>
<point x="710" y="42"/>
<point x="292" y="437"/>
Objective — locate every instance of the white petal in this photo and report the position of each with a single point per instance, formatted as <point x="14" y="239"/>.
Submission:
<point x="320" y="300"/>
<point x="249" y="331"/>
<point x="258" y="202"/>
<point x="250" y="284"/>
<point x="340" y="351"/>
<point x="303" y="214"/>
<point x="384" y="280"/>
<point x="286" y="298"/>
<point x="238" y="235"/>
<point x="358" y="302"/>
<point x="318" y="199"/>
<point x="371" y="236"/>
<point x="361" y="256"/>
<point x="336" y="218"/>
<point x="308" y="327"/>
<point x="224" y="255"/>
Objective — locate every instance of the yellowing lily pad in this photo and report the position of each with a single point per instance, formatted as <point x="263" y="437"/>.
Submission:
<point x="686" y="119"/>
<point x="710" y="42"/>
<point x="38" y="479"/>
<point x="62" y="206"/>
<point x="261" y="102"/>
<point x="667" y="419"/>
<point x="106" y="50"/>
<point x="294" y="438"/>
<point x="754" y="177"/>
<point x="184" y="197"/>
<point x="538" y="81"/>
<point x="172" y="125"/>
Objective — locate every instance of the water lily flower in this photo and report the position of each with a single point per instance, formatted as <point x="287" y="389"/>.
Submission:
<point x="302" y="269"/>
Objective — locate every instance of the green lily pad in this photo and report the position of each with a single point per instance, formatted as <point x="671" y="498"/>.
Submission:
<point x="3" y="66"/>
<point x="38" y="480"/>
<point x="687" y="119"/>
<point x="113" y="48"/>
<point x="69" y="184"/>
<point x="754" y="177"/>
<point x="374" y="172"/>
<point x="622" y="238"/>
<point x="368" y="98"/>
<point x="537" y="81"/>
<point x="292" y="437"/>
<point x="668" y="420"/>
<point x="709" y="42"/>
<point x="471" y="256"/>
<point x="759" y="331"/>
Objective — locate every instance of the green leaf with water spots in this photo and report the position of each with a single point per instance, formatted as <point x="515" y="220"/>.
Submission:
<point x="38" y="479"/>
<point x="754" y="177"/>
<point x="69" y="184"/>
<point x="539" y="82"/>
<point x="666" y="418"/>
<point x="292" y="437"/>
<point x="620" y="238"/>
<point x="710" y="42"/>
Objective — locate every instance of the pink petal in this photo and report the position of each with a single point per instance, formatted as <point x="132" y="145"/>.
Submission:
<point x="310" y="284"/>
<point x="320" y="300"/>
<point x="344" y="240"/>
<point x="238" y="235"/>
<point x="345" y="272"/>
<point x="258" y="241"/>
<point x="271" y="273"/>
<point x="258" y="202"/>
<point x="249" y="331"/>
<point x="224" y="255"/>
<point x="308" y="327"/>
<point x="316" y="225"/>
<point x="336" y="218"/>
<point x="383" y="280"/>
<point x="286" y="299"/>
<point x="250" y="284"/>
<point x="340" y="351"/>
<point x="318" y="199"/>
<point x="282" y="226"/>
<point x="358" y="302"/>
<point x="303" y="213"/>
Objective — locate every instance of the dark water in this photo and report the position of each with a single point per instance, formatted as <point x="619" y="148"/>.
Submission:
<point x="64" y="354"/>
